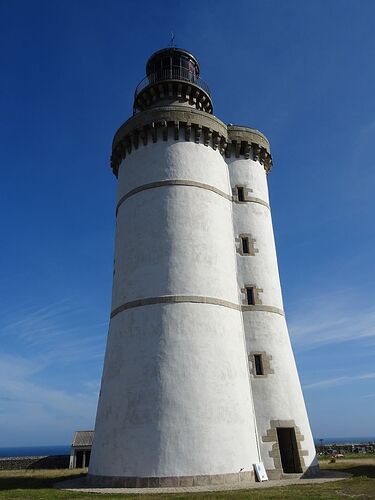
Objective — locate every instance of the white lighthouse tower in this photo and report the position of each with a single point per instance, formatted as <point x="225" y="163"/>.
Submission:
<point x="199" y="379"/>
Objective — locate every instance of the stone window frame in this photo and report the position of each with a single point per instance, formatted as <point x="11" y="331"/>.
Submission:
<point x="246" y="193"/>
<point x="251" y="243"/>
<point x="271" y="437"/>
<point x="240" y="190"/>
<point x="266" y="364"/>
<point x="245" y="245"/>
<point x="256" y="292"/>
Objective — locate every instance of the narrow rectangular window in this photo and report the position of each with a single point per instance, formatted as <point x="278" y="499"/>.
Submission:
<point x="258" y="364"/>
<point x="250" y="295"/>
<point x="240" y="194"/>
<point x="245" y="245"/>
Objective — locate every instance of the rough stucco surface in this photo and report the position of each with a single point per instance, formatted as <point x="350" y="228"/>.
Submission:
<point x="173" y="160"/>
<point x="277" y="396"/>
<point x="175" y="397"/>
<point x="183" y="255"/>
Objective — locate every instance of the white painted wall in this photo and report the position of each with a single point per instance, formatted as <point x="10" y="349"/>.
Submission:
<point x="178" y="240"/>
<point x="175" y="396"/>
<point x="277" y="396"/>
<point x="172" y="160"/>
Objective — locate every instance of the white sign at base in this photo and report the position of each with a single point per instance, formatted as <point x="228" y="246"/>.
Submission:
<point x="260" y="471"/>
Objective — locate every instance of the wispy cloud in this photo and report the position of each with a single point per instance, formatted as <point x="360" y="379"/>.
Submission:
<point x="29" y="406"/>
<point x="58" y="330"/>
<point x="346" y="379"/>
<point x="50" y="363"/>
<point x="331" y="318"/>
<point x="78" y="404"/>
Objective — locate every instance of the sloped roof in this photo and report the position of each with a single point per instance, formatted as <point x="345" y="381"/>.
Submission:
<point x="83" y="438"/>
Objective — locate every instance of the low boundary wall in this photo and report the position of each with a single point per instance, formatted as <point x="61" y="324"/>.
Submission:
<point x="44" y="462"/>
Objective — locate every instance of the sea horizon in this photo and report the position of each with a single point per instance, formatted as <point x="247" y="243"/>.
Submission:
<point x="34" y="451"/>
<point x="64" y="449"/>
<point x="344" y="440"/>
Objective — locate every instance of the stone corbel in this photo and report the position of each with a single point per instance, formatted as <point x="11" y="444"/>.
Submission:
<point x="262" y="156"/>
<point x="135" y="139"/>
<point x="198" y="131"/>
<point x="161" y="91"/>
<point x="187" y="131"/>
<point x="176" y="130"/>
<point x="215" y="141"/>
<point x="128" y="144"/>
<point x="237" y="146"/>
<point x="164" y="126"/>
<point x="256" y="150"/>
<point x="268" y="163"/>
<point x="153" y="93"/>
<point x="122" y="149"/>
<point x="247" y="151"/>
<point x="207" y="136"/>
<point x="223" y="145"/>
<point x="154" y="132"/>
<point x="144" y="135"/>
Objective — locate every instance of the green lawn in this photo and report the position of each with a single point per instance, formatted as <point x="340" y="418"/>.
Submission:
<point x="39" y="485"/>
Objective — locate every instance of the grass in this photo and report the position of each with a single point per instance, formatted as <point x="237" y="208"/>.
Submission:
<point x="32" y="485"/>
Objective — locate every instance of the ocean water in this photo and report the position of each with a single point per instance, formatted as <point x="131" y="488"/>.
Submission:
<point x="34" y="451"/>
<point x="345" y="440"/>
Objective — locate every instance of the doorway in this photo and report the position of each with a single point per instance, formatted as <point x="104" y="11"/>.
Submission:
<point x="290" y="461"/>
<point x="79" y="459"/>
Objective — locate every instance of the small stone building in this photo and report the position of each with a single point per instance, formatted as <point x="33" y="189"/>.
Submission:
<point x="81" y="449"/>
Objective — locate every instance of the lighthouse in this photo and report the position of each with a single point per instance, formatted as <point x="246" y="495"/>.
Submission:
<point x="199" y="380"/>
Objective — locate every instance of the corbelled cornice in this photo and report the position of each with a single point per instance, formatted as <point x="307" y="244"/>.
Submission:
<point x="186" y="92"/>
<point x="179" y="123"/>
<point x="249" y="143"/>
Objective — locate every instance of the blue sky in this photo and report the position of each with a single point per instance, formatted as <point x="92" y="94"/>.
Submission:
<point x="302" y="72"/>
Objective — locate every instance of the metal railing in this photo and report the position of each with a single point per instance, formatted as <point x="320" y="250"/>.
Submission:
<point x="172" y="73"/>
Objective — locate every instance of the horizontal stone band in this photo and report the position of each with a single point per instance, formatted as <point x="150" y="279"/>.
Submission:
<point x="252" y="199"/>
<point x="194" y="299"/>
<point x="261" y="307"/>
<point x="94" y="481"/>
<point x="177" y="182"/>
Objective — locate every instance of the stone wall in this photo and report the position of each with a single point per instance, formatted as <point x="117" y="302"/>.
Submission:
<point x="46" y="462"/>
